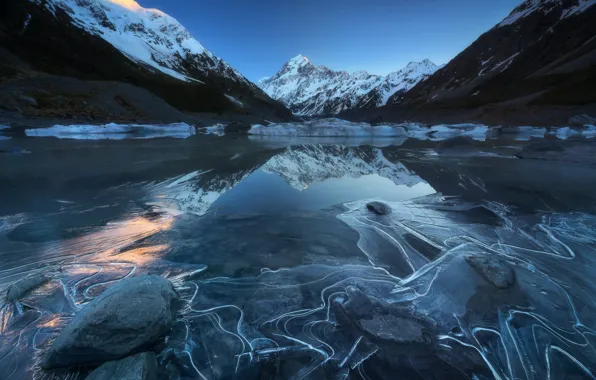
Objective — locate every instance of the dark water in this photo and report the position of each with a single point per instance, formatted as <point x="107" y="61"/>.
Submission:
<point x="287" y="275"/>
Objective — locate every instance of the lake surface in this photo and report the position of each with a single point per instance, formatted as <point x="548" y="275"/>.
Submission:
<point x="284" y="271"/>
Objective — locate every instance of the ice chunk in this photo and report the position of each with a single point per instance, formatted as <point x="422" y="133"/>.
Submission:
<point x="566" y="132"/>
<point x="526" y="133"/>
<point x="328" y="128"/>
<point x="114" y="131"/>
<point x="446" y="131"/>
<point x="217" y="130"/>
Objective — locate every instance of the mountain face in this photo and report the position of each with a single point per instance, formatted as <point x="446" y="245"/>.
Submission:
<point x="147" y="36"/>
<point x="544" y="52"/>
<point x="312" y="90"/>
<point x="118" y="40"/>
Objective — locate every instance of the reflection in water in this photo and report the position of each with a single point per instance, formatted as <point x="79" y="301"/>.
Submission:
<point x="324" y="292"/>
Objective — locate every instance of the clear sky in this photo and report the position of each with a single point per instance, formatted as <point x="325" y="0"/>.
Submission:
<point x="257" y="37"/>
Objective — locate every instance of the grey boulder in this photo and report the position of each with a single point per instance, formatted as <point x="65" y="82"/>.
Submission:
<point x="378" y="208"/>
<point x="129" y="317"/>
<point x="138" y="367"/>
<point x="20" y="288"/>
<point x="581" y="120"/>
<point x="493" y="270"/>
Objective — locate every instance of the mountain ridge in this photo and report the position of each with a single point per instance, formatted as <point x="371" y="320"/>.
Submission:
<point x="310" y="90"/>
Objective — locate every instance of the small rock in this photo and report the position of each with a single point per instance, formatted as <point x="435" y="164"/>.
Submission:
<point x="581" y="120"/>
<point x="20" y="288"/>
<point x="237" y="128"/>
<point x="130" y="316"/>
<point x="138" y="367"/>
<point x="493" y="270"/>
<point x="397" y="330"/>
<point x="378" y="208"/>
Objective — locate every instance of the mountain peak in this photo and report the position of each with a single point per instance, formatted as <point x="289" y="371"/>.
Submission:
<point x="298" y="60"/>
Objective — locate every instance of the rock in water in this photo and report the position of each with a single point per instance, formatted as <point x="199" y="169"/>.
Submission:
<point x="128" y="317"/>
<point x="20" y="288"/>
<point x="403" y="333"/>
<point x="493" y="270"/>
<point x="543" y="146"/>
<point x="138" y="367"/>
<point x="456" y="145"/>
<point x="581" y="120"/>
<point x="237" y="128"/>
<point x="378" y="208"/>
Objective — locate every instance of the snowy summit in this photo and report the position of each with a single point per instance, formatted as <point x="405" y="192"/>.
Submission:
<point x="312" y="90"/>
<point x="146" y="36"/>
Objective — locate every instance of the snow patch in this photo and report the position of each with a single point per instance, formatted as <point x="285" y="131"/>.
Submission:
<point x="234" y="100"/>
<point x="114" y="131"/>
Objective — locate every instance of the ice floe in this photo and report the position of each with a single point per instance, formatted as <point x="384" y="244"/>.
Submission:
<point x="342" y="128"/>
<point x="114" y="131"/>
<point x="328" y="128"/>
<point x="589" y="131"/>
<point x="217" y="130"/>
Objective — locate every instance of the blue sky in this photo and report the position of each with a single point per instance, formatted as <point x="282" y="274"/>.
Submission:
<point x="380" y="36"/>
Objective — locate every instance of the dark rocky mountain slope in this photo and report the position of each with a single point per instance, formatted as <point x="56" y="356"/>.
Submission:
<point x="538" y="66"/>
<point x="58" y="61"/>
<point x="543" y="53"/>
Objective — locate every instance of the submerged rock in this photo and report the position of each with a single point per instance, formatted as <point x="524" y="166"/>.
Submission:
<point x="581" y="120"/>
<point x="493" y="270"/>
<point x="544" y="146"/>
<point x="459" y="144"/>
<point x="130" y="316"/>
<point x="20" y="288"/>
<point x="378" y="208"/>
<point x="400" y="331"/>
<point x="237" y="128"/>
<point x="138" y="367"/>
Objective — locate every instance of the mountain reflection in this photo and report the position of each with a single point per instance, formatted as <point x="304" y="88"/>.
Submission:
<point x="299" y="166"/>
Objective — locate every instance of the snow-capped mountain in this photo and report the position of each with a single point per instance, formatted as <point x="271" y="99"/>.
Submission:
<point x="543" y="52"/>
<point x="146" y="36"/>
<point x="312" y="90"/>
